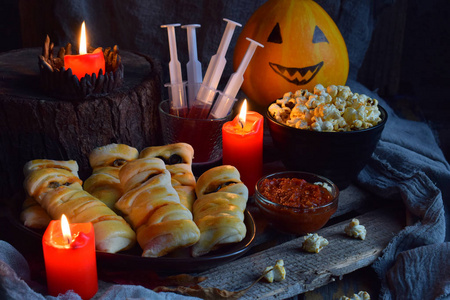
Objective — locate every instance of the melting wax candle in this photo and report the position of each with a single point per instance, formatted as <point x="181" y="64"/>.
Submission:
<point x="70" y="262"/>
<point x="242" y="141"/>
<point x="85" y="63"/>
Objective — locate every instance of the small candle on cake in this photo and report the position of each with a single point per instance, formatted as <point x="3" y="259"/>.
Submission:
<point x="85" y="63"/>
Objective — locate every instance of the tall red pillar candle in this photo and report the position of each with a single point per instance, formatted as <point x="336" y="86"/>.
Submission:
<point x="70" y="265"/>
<point x="243" y="146"/>
<point x="85" y="63"/>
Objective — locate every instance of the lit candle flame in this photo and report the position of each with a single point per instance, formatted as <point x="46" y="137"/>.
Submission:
<point x="83" y="39"/>
<point x="66" y="229"/>
<point x="243" y="113"/>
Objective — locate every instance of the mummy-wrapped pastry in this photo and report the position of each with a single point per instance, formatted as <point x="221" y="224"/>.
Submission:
<point x="33" y="215"/>
<point x="153" y="208"/>
<point x="59" y="191"/>
<point x="106" y="162"/>
<point x="178" y="159"/>
<point x="37" y="164"/>
<point x="219" y="209"/>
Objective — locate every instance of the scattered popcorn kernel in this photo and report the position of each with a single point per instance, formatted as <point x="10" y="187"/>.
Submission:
<point x="344" y="110"/>
<point x="362" y="295"/>
<point x="275" y="273"/>
<point x="268" y="274"/>
<point x="279" y="273"/>
<point x="354" y="229"/>
<point x="314" y="243"/>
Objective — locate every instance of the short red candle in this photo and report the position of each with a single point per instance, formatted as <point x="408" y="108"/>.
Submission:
<point x="70" y="266"/>
<point x="243" y="147"/>
<point x="85" y="63"/>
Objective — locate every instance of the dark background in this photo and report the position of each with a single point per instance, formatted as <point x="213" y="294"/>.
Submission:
<point x="411" y="48"/>
<point x="407" y="61"/>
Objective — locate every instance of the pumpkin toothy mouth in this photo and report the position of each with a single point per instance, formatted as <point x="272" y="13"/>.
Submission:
<point x="298" y="76"/>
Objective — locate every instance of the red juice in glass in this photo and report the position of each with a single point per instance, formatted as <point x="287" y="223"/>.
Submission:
<point x="179" y="112"/>
<point x="204" y="135"/>
<point x="199" y="112"/>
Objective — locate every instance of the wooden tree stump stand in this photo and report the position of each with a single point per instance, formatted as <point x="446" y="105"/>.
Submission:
<point x="34" y="125"/>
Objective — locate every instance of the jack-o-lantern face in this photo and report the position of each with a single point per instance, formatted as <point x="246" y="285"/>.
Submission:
<point x="302" y="47"/>
<point x="300" y="75"/>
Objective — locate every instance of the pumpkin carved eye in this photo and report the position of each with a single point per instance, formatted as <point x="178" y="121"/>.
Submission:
<point x="275" y="35"/>
<point x="319" y="36"/>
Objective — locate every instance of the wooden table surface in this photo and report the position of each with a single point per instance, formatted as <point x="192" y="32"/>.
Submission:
<point x="304" y="271"/>
<point x="309" y="271"/>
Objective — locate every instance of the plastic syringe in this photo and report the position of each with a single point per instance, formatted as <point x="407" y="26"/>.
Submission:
<point x="178" y="103"/>
<point x="193" y="66"/>
<point x="226" y="99"/>
<point x="207" y="91"/>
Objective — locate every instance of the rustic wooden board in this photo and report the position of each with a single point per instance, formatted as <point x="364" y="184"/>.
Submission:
<point x="307" y="271"/>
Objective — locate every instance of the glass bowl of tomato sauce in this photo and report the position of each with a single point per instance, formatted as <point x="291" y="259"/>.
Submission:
<point x="296" y="202"/>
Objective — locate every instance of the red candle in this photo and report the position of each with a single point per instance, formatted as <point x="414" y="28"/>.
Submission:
<point x="85" y="63"/>
<point x="70" y="258"/>
<point x="242" y="141"/>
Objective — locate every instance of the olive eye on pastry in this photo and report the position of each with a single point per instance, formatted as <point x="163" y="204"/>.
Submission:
<point x="173" y="159"/>
<point x="119" y="162"/>
<point x="55" y="184"/>
<point x="214" y="188"/>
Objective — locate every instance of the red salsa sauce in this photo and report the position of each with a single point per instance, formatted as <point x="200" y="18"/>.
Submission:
<point x="295" y="192"/>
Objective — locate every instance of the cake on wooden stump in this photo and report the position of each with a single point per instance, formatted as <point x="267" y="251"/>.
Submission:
<point x="57" y="79"/>
<point x="36" y="125"/>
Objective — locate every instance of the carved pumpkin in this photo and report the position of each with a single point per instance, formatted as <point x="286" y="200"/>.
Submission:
<point x="302" y="47"/>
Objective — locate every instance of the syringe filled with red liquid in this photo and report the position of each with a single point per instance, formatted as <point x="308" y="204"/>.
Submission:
<point x="205" y="96"/>
<point x="177" y="91"/>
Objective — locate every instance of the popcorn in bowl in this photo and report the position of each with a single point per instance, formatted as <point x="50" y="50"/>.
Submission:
<point x="330" y="109"/>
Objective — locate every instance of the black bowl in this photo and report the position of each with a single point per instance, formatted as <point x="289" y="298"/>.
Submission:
<point x="339" y="156"/>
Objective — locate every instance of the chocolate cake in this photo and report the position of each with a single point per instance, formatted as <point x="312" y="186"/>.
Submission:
<point x="35" y="124"/>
